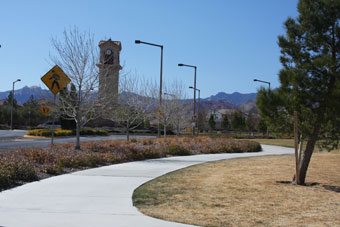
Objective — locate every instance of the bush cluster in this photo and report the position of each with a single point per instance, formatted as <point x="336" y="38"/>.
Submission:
<point x="13" y="172"/>
<point x="65" y="132"/>
<point x="27" y="164"/>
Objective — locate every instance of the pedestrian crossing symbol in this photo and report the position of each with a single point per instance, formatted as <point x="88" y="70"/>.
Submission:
<point x="45" y="110"/>
<point x="55" y="79"/>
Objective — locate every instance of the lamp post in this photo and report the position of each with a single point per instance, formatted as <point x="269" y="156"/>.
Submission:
<point x="266" y="82"/>
<point x="160" y="81"/>
<point x="13" y="103"/>
<point x="262" y="81"/>
<point x="192" y="66"/>
<point x="198" y="111"/>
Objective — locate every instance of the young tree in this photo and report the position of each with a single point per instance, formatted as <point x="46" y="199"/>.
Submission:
<point x="238" y="122"/>
<point x="7" y="106"/>
<point x="251" y="122"/>
<point x="31" y="113"/>
<point x="310" y="81"/>
<point x="77" y="56"/>
<point x="173" y="110"/>
<point x="225" y="123"/>
<point x="262" y="127"/>
<point x="135" y="100"/>
<point x="212" y="122"/>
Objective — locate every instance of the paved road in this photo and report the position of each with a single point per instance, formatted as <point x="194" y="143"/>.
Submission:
<point x="97" y="197"/>
<point x="11" y="134"/>
<point x="17" y="139"/>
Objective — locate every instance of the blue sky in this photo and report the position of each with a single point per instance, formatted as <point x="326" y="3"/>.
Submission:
<point x="231" y="41"/>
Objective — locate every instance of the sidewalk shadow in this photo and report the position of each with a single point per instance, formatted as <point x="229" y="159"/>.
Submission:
<point x="332" y="188"/>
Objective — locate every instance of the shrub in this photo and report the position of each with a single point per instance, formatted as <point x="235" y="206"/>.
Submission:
<point x="22" y="165"/>
<point x="14" y="171"/>
<point x="175" y="149"/>
<point x="65" y="132"/>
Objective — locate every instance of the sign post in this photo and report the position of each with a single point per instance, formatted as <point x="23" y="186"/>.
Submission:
<point x="55" y="80"/>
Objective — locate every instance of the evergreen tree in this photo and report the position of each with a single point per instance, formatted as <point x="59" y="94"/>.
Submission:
<point x="310" y="79"/>
<point x="262" y="127"/>
<point x="251" y="122"/>
<point x="6" y="110"/>
<point x="238" y="122"/>
<point x="225" y="123"/>
<point x="212" y="122"/>
<point x="30" y="113"/>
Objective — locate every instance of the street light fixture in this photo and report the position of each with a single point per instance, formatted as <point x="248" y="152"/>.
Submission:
<point x="160" y="82"/>
<point x="262" y="81"/>
<point x="192" y="66"/>
<point x="13" y="102"/>
<point x="199" y="101"/>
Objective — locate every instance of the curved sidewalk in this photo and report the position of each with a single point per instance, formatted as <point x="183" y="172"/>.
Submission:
<point x="97" y="197"/>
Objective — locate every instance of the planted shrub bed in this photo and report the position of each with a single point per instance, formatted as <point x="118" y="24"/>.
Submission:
<point x="28" y="164"/>
<point x="65" y="132"/>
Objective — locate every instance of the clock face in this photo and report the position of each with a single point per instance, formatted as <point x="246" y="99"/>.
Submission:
<point x="108" y="52"/>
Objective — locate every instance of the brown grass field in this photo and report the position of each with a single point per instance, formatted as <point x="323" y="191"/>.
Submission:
<point x="284" y="143"/>
<point x="247" y="192"/>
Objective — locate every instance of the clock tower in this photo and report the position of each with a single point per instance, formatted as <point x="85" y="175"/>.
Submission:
<point x="109" y="68"/>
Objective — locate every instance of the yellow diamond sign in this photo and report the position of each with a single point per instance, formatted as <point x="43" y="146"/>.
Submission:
<point x="45" y="110"/>
<point x="55" y="79"/>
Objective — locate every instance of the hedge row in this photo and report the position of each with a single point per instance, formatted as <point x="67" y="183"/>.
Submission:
<point x="27" y="164"/>
<point x="14" y="171"/>
<point x="63" y="132"/>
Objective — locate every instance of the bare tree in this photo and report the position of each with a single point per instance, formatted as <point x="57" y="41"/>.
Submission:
<point x="77" y="56"/>
<point x="135" y="99"/>
<point x="173" y="110"/>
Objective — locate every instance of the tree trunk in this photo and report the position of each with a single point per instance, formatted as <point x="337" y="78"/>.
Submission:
<point x="127" y="130"/>
<point x="307" y="155"/>
<point x="77" y="135"/>
<point x="164" y="130"/>
<point x="177" y="131"/>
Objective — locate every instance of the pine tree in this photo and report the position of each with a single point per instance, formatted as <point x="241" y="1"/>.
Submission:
<point x="212" y="122"/>
<point x="238" y="122"/>
<point x="310" y="79"/>
<point x="225" y="123"/>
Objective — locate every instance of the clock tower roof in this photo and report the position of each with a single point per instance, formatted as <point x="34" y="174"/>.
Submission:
<point x="116" y="43"/>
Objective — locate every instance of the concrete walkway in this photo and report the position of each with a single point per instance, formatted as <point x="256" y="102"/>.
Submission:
<point x="97" y="197"/>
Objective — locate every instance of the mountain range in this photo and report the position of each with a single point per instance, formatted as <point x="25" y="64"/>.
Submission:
<point x="221" y="100"/>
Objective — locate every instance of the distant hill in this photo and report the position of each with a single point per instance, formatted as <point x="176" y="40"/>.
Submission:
<point x="219" y="101"/>
<point x="235" y="98"/>
<point x="23" y="94"/>
<point x="216" y="105"/>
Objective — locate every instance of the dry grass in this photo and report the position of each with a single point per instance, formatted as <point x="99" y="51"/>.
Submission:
<point x="247" y="192"/>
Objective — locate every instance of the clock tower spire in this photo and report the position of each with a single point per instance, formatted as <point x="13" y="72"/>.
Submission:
<point x="109" y="67"/>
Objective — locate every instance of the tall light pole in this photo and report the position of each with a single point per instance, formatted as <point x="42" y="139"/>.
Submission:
<point x="160" y="80"/>
<point x="262" y="81"/>
<point x="266" y="82"/>
<point x="13" y="103"/>
<point x="198" y="111"/>
<point x="192" y="66"/>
